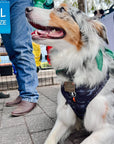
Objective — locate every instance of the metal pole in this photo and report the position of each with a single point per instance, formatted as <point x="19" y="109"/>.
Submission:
<point x="85" y="6"/>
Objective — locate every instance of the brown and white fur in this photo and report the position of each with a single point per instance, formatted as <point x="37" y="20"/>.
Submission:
<point x="78" y="40"/>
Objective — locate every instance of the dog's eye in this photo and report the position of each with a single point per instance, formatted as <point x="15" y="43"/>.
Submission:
<point x="62" y="9"/>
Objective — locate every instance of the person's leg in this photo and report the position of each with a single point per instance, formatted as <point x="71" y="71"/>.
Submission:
<point x="19" y="48"/>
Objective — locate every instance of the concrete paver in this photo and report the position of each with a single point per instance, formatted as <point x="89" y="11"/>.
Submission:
<point x="34" y="127"/>
<point x="15" y="135"/>
<point x="1" y="104"/>
<point x="37" y="123"/>
<point x="8" y="121"/>
<point x="39" y="138"/>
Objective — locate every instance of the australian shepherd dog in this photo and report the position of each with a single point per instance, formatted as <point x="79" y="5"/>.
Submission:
<point x="81" y="61"/>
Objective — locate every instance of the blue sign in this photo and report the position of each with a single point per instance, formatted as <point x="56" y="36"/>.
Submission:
<point x="4" y="17"/>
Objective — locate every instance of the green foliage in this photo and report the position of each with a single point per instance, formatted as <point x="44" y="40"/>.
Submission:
<point x="107" y="1"/>
<point x="45" y="65"/>
<point x="75" y="4"/>
<point x="65" y="1"/>
<point x="92" y="8"/>
<point x="92" y="5"/>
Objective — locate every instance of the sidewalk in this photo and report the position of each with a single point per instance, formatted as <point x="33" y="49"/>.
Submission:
<point x="33" y="128"/>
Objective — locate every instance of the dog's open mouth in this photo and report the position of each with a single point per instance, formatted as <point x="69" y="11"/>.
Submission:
<point x="47" y="32"/>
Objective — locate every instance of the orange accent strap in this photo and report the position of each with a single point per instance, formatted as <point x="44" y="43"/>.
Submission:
<point x="74" y="99"/>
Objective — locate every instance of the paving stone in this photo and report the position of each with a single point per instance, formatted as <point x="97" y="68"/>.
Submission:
<point x="38" y="123"/>
<point x="40" y="137"/>
<point x="2" y="101"/>
<point x="37" y="110"/>
<point x="1" y="106"/>
<point x="8" y="121"/>
<point x="13" y="95"/>
<point x="45" y="102"/>
<point x="50" y="111"/>
<point x="15" y="135"/>
<point x="0" y="117"/>
<point x="8" y="110"/>
<point x="50" y="92"/>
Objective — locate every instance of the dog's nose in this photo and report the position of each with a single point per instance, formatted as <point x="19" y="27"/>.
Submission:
<point x="28" y="9"/>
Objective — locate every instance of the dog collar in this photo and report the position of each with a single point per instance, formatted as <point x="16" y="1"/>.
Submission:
<point x="79" y="97"/>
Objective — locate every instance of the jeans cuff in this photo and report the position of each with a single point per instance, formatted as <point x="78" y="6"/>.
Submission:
<point x="32" y="100"/>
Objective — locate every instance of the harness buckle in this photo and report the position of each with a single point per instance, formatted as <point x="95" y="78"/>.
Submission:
<point x="73" y="94"/>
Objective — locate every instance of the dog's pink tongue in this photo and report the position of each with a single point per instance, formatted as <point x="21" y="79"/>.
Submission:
<point x="55" y="34"/>
<point x="42" y="34"/>
<point x="47" y="34"/>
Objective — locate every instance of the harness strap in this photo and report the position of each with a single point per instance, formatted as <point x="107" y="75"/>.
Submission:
<point x="83" y="96"/>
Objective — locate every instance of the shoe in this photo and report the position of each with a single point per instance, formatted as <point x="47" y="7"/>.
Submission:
<point x="2" y="95"/>
<point x="23" y="108"/>
<point x="14" y="102"/>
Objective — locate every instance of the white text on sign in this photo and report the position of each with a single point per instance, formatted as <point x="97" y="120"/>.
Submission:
<point x="1" y="13"/>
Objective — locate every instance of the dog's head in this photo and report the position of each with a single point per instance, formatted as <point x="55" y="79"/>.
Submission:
<point x="67" y="24"/>
<point x="75" y="37"/>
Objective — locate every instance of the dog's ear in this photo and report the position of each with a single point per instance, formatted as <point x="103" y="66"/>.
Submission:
<point x="101" y="30"/>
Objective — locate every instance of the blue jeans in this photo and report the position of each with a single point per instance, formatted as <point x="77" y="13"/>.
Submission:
<point x="19" y="47"/>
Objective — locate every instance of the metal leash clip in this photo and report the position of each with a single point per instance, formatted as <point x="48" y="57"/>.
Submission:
<point x="73" y="94"/>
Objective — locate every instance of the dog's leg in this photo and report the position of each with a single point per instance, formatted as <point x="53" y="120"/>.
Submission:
<point x="57" y="132"/>
<point x="65" y="119"/>
<point x="96" y="121"/>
